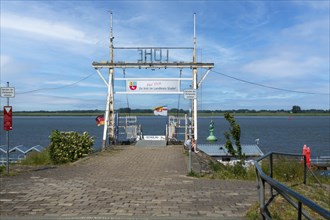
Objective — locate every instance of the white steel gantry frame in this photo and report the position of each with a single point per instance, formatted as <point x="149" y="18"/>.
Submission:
<point x="109" y="119"/>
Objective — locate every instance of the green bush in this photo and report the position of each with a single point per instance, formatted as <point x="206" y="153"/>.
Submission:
<point x="69" y="146"/>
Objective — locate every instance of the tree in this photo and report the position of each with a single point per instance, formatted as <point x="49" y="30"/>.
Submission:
<point x="296" y="109"/>
<point x="235" y="132"/>
<point x="124" y="110"/>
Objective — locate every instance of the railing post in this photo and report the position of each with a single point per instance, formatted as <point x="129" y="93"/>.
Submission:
<point x="271" y="165"/>
<point x="299" y="210"/>
<point x="262" y="198"/>
<point x="260" y="194"/>
<point x="271" y="172"/>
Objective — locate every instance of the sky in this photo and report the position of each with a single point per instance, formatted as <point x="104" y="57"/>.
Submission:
<point x="267" y="54"/>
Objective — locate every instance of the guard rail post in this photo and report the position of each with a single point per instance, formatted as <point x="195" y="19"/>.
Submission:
<point x="271" y="172"/>
<point x="299" y="210"/>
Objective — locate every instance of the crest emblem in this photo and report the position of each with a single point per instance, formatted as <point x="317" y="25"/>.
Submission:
<point x="132" y="85"/>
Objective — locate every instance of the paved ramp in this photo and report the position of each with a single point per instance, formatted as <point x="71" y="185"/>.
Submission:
<point x="127" y="183"/>
<point x="151" y="143"/>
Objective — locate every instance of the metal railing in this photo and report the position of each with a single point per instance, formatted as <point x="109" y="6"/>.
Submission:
<point x="292" y="197"/>
<point x="321" y="161"/>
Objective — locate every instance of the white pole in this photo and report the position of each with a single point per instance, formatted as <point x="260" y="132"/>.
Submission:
<point x="106" y="117"/>
<point x="109" y="119"/>
<point x="189" y="155"/>
<point x="186" y="127"/>
<point x="194" y="56"/>
<point x="7" y="138"/>
<point x="111" y="39"/>
<point x="111" y="107"/>
<point x="194" y="101"/>
<point x="195" y="104"/>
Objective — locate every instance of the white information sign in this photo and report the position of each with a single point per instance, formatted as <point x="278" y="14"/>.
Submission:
<point x="153" y="86"/>
<point x="189" y="93"/>
<point x="154" y="137"/>
<point x="7" y="92"/>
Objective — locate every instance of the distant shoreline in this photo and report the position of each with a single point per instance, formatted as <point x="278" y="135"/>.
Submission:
<point x="173" y="114"/>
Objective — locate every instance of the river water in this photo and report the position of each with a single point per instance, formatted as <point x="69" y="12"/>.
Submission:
<point x="281" y="134"/>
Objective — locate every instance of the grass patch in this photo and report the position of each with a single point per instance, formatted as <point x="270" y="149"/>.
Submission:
<point x="2" y="169"/>
<point x="290" y="171"/>
<point x="253" y="213"/>
<point x="33" y="160"/>
<point x="280" y="209"/>
<point x="237" y="171"/>
<point x="37" y="158"/>
<point x="194" y="174"/>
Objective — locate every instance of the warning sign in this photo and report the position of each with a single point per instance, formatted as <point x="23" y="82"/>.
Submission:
<point x="7" y="118"/>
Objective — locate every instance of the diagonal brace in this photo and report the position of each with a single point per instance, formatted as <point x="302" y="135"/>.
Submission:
<point x="101" y="76"/>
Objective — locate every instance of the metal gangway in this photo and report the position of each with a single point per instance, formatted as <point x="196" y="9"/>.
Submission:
<point x="177" y="128"/>
<point x="128" y="129"/>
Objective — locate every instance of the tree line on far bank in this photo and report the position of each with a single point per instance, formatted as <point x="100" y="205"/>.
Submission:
<point x="295" y="109"/>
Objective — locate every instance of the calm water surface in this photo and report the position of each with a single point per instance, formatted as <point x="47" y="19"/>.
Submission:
<point x="281" y="134"/>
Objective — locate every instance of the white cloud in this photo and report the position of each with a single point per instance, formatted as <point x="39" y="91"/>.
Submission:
<point x="318" y="5"/>
<point x="247" y="20"/>
<point x="50" y="44"/>
<point x="92" y="94"/>
<point x="63" y="83"/>
<point x="40" y="28"/>
<point x="5" y="60"/>
<point x="282" y="66"/>
<point x="299" y="52"/>
<point x="307" y="31"/>
<point x="57" y="102"/>
<point x="12" y="68"/>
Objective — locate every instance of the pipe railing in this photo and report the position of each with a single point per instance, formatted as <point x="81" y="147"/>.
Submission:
<point x="294" y="198"/>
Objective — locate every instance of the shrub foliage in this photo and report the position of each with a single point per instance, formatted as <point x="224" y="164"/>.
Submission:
<point x="69" y="146"/>
<point x="37" y="158"/>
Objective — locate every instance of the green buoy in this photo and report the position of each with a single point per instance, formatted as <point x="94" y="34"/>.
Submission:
<point x="211" y="137"/>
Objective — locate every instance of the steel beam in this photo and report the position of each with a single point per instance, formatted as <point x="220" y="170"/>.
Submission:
<point x="124" y="65"/>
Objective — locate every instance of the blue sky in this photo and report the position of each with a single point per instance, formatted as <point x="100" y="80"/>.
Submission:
<point x="267" y="54"/>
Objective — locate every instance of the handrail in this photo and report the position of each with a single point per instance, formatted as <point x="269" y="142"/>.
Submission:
<point x="283" y="190"/>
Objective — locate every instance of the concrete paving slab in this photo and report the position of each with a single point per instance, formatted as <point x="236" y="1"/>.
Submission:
<point x="126" y="183"/>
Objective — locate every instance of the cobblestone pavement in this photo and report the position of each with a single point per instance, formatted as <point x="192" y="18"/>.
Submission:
<point x="147" y="183"/>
